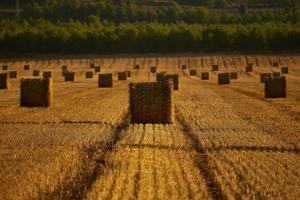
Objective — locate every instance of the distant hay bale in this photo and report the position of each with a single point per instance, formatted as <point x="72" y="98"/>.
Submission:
<point x="163" y="76"/>
<point x="64" y="68"/>
<point x="70" y="76"/>
<point x="151" y="102"/>
<point x="128" y="73"/>
<point x="5" y="67"/>
<point x="105" y="80"/>
<point x="137" y="67"/>
<point x="205" y="76"/>
<point x="92" y="65"/>
<point x="122" y="76"/>
<point x="193" y="72"/>
<point x="223" y="78"/>
<point x="233" y="75"/>
<point x="249" y="68"/>
<point x="215" y="67"/>
<point x="4" y="82"/>
<point x="47" y="74"/>
<point x="97" y="69"/>
<point x="183" y="66"/>
<point x="36" y="92"/>
<point x="13" y="74"/>
<point x="275" y="64"/>
<point x="276" y="74"/>
<point x="89" y="75"/>
<point x="264" y="77"/>
<point x="275" y="87"/>
<point x="26" y="67"/>
<point x="36" y="73"/>
<point x="284" y="70"/>
<point x="153" y="69"/>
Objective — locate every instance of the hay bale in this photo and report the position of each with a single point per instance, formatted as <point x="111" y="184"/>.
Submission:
<point x="205" y="76"/>
<point x="183" y="66"/>
<point x="276" y="74"/>
<point x="36" y="73"/>
<point x="151" y="102"/>
<point x="153" y="69"/>
<point x="215" y="67"/>
<point x="249" y="68"/>
<point x="89" y="75"/>
<point x="128" y="73"/>
<point x="137" y="67"/>
<point x="122" y="76"/>
<point x="5" y="67"/>
<point x="162" y="76"/>
<point x="47" y="74"/>
<point x="13" y="74"/>
<point x="97" y="69"/>
<point x="193" y="72"/>
<point x="275" y="64"/>
<point x="275" y="87"/>
<point x="233" y="75"/>
<point x="284" y="70"/>
<point x="105" y="80"/>
<point x="4" y="83"/>
<point x="64" y="68"/>
<point x="70" y="76"/>
<point x="92" y="65"/>
<point x="36" y="92"/>
<point x="264" y="77"/>
<point x="26" y="67"/>
<point x="223" y="78"/>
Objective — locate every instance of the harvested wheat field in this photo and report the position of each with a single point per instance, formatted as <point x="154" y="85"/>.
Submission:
<point x="225" y="142"/>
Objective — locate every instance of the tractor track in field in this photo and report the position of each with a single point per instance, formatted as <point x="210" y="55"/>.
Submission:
<point x="92" y="167"/>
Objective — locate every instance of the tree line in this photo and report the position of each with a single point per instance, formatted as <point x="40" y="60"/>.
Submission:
<point x="41" y="36"/>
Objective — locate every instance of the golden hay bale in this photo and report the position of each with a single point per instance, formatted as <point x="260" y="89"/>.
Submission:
<point x="276" y="74"/>
<point x="249" y="68"/>
<point x="97" y="69"/>
<point x="153" y="69"/>
<point x="275" y="64"/>
<point x="215" y="67"/>
<point x="92" y="65"/>
<point x="163" y="76"/>
<point x="36" y="92"/>
<point x="64" y="67"/>
<point x="137" y="67"/>
<point x="89" y="75"/>
<point x="151" y="102"/>
<point x="70" y="76"/>
<point x="105" y="80"/>
<point x="223" y="78"/>
<point x="275" y="87"/>
<point x="183" y="66"/>
<point x="13" y="74"/>
<point x="122" y="76"/>
<point x="128" y="73"/>
<point x="233" y="75"/>
<point x="284" y="70"/>
<point x="264" y="77"/>
<point x="205" y="76"/>
<point x="47" y="74"/>
<point x="193" y="72"/>
<point x="4" y="83"/>
<point x="5" y="67"/>
<point x="26" y="67"/>
<point x="36" y="73"/>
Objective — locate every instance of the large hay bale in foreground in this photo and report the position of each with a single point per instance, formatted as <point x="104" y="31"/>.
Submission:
<point x="276" y="74"/>
<point x="275" y="87"/>
<point x="163" y="76"/>
<point x="205" y="76"/>
<point x="284" y="70"/>
<point x="36" y="73"/>
<point x="70" y="76"/>
<point x="89" y="75"/>
<point x="97" y="69"/>
<point x="264" y="77"/>
<point x="47" y="74"/>
<point x="4" y="83"/>
<point x="153" y="69"/>
<point x="5" y="67"/>
<point x="26" y="67"/>
<point x="193" y="72"/>
<point x="233" y="75"/>
<point x="215" y="67"/>
<point x="151" y="102"/>
<point x="36" y="92"/>
<point x="223" y="78"/>
<point x="249" y="68"/>
<point x="105" y="80"/>
<point x="13" y="74"/>
<point x="122" y="76"/>
<point x="128" y="73"/>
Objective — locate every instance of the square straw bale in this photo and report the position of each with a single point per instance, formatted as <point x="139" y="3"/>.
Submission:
<point x="275" y="87"/>
<point x="26" y="67"/>
<point x="122" y="76"/>
<point x="275" y="64"/>
<point x="128" y="73"/>
<point x="47" y="74"/>
<point x="265" y="76"/>
<point x="163" y="76"/>
<point x="249" y="68"/>
<point x="36" y="92"/>
<point x="193" y="72"/>
<point x="284" y="70"/>
<point x="223" y="79"/>
<point x="151" y="102"/>
<point x="137" y="67"/>
<point x="153" y="69"/>
<point x="70" y="76"/>
<point x="92" y="65"/>
<point x="215" y="67"/>
<point x="205" y="76"/>
<point x="97" y="69"/>
<point x="36" y="73"/>
<point x="5" y="67"/>
<point x="89" y="75"/>
<point x="13" y="74"/>
<point x="183" y="67"/>
<point x="105" y="80"/>
<point x="233" y="75"/>
<point x="4" y="82"/>
<point x="64" y="67"/>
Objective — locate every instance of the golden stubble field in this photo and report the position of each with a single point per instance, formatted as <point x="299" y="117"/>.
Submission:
<point x="227" y="142"/>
